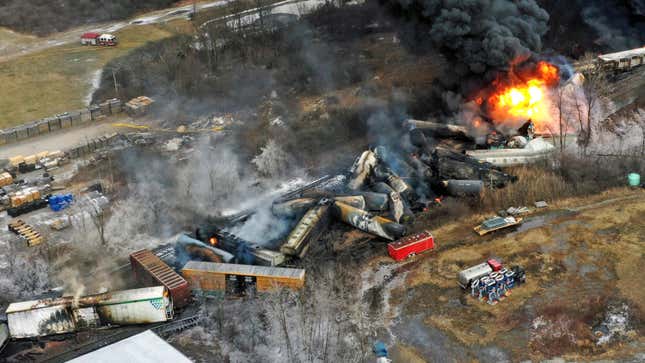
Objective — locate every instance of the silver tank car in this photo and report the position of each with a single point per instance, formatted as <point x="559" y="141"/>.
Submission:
<point x="293" y="208"/>
<point x="361" y="169"/>
<point x="366" y="222"/>
<point x="356" y="201"/>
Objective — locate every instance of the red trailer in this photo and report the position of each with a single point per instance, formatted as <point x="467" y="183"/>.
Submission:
<point x="411" y="245"/>
<point x="150" y="270"/>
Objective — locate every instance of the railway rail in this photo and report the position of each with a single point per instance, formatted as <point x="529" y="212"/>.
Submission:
<point x="162" y="329"/>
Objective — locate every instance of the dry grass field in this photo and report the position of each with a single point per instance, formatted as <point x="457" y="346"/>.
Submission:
<point x="58" y="79"/>
<point x="582" y="255"/>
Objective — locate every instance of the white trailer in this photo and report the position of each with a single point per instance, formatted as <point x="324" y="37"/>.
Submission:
<point x="471" y="274"/>
<point x="137" y="306"/>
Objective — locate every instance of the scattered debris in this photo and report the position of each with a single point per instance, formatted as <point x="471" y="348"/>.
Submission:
<point x="175" y="143"/>
<point x="59" y="224"/>
<point x="138" y="106"/>
<point x="541" y="204"/>
<point x="614" y="325"/>
<point x="517" y="211"/>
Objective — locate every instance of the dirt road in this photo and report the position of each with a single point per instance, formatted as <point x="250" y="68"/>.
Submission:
<point x="62" y="140"/>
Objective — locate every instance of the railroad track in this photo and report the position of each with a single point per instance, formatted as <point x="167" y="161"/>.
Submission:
<point x="163" y="252"/>
<point x="177" y="326"/>
<point x="162" y="329"/>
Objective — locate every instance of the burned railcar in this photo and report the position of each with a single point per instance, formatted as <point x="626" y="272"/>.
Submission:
<point x="30" y="319"/>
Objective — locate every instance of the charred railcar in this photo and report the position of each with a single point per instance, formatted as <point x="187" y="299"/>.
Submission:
<point x="30" y="319"/>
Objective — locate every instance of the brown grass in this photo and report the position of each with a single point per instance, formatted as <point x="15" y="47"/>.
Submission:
<point x="575" y="311"/>
<point x="533" y="184"/>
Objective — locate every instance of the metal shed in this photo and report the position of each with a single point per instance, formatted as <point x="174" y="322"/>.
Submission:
<point x="144" y="347"/>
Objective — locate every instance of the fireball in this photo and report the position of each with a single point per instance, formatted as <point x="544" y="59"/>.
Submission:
<point x="525" y="96"/>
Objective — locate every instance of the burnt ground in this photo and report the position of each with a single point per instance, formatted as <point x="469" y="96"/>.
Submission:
<point x="582" y="270"/>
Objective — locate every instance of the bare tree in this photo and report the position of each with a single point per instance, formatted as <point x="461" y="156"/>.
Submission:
<point x="588" y="100"/>
<point x="99" y="219"/>
<point x="563" y="117"/>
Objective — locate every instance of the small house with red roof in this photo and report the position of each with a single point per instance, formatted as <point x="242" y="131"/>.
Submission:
<point x="89" y="38"/>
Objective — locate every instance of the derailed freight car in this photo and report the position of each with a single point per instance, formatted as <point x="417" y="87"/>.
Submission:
<point x="150" y="270"/>
<point x="308" y="229"/>
<point x="208" y="277"/>
<point x="30" y="319"/>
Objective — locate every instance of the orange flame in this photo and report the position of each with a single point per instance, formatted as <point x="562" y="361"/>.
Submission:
<point x="213" y="241"/>
<point x="525" y="96"/>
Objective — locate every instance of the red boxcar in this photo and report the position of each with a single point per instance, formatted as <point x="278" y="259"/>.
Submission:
<point x="150" y="270"/>
<point x="411" y="245"/>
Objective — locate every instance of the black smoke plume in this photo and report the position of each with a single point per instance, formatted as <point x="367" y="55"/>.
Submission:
<point x="478" y="38"/>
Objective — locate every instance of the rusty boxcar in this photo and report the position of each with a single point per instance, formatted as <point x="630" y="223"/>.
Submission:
<point x="237" y="279"/>
<point x="150" y="270"/>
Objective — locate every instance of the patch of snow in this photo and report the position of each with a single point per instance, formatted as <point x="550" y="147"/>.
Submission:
<point x="614" y="325"/>
<point x="173" y="144"/>
<point x="278" y="122"/>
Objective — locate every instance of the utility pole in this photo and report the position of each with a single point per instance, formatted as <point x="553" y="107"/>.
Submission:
<point x="193" y="14"/>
